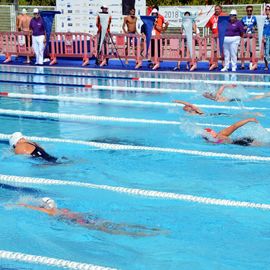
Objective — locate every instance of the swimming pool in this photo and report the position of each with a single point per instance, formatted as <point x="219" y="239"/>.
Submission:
<point x="131" y="159"/>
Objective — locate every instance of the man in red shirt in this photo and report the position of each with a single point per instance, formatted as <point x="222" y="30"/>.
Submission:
<point x="160" y="26"/>
<point x="213" y="25"/>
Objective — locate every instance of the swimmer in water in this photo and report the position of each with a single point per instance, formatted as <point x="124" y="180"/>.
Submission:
<point x="189" y="108"/>
<point x="223" y="136"/>
<point x="48" y="206"/>
<point x="194" y="110"/>
<point x="23" y="146"/>
<point x="220" y="98"/>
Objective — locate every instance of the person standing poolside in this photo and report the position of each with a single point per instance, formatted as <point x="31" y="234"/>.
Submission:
<point x="22" y="146"/>
<point x="37" y="29"/>
<point x="233" y="34"/>
<point x="266" y="38"/>
<point x="104" y="10"/>
<point x="24" y="24"/>
<point x="129" y="27"/>
<point x="249" y="21"/>
<point x="195" y="31"/>
<point x="213" y="25"/>
<point x="48" y="206"/>
<point x="160" y="26"/>
<point x="223" y="136"/>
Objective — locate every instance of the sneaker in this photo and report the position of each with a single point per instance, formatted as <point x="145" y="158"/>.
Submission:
<point x="233" y="69"/>
<point x="224" y="69"/>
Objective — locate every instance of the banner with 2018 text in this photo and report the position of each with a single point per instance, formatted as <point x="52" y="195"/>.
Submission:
<point x="172" y="14"/>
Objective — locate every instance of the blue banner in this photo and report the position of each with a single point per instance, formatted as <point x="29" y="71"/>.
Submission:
<point x="48" y="17"/>
<point x="148" y="22"/>
<point x="223" y="22"/>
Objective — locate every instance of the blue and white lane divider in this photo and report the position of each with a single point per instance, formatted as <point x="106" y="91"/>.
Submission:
<point x="156" y="80"/>
<point x="142" y="79"/>
<point x="33" y="259"/>
<point x="168" y="80"/>
<point x="119" y="101"/>
<point x="95" y="118"/>
<point x="106" y="87"/>
<point x="121" y="147"/>
<point x="135" y="191"/>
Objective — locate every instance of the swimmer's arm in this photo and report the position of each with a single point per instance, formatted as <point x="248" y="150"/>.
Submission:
<point x="260" y="96"/>
<point x="47" y="211"/>
<point x="182" y="102"/>
<point x="229" y="130"/>
<point x="220" y="91"/>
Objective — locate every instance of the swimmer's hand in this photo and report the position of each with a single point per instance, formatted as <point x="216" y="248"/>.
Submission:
<point x="259" y="114"/>
<point x="253" y="120"/>
<point x="231" y="85"/>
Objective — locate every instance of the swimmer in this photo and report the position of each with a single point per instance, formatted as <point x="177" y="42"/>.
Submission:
<point x="194" y="110"/>
<point x="223" y="136"/>
<point x="48" y="206"/>
<point x="218" y="95"/>
<point x="189" y="108"/>
<point x="220" y="98"/>
<point x="24" y="147"/>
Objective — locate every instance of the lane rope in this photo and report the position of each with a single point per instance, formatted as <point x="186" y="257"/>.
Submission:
<point x="146" y="148"/>
<point x="136" y="191"/>
<point x="168" y="80"/>
<point x="85" y="117"/>
<point x="28" y="258"/>
<point x="79" y="117"/>
<point x="119" y="101"/>
<point x="131" y="78"/>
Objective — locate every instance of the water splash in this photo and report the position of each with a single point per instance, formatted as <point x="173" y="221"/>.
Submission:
<point x="190" y="128"/>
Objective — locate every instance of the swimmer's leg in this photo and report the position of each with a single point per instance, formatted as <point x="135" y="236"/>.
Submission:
<point x="124" y="229"/>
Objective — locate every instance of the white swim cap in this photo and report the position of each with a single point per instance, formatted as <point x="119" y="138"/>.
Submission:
<point x="24" y="11"/>
<point x="233" y="12"/>
<point x="14" y="138"/>
<point x="48" y="203"/>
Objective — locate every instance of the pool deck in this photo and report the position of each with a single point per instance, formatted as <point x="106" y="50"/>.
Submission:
<point x="116" y="64"/>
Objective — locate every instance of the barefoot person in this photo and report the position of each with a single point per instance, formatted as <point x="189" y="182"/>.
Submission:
<point x="223" y="136"/>
<point x="22" y="146"/>
<point x="89" y="221"/>
<point x="129" y="27"/>
<point x="103" y="58"/>
<point x="23" y="25"/>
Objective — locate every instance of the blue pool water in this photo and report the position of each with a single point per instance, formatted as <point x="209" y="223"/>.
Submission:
<point x="191" y="235"/>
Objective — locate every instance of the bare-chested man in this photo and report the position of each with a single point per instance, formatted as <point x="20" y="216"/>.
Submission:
<point x="23" y="25"/>
<point x="129" y="27"/>
<point x="130" y="21"/>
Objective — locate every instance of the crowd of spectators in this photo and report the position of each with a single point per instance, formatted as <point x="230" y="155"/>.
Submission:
<point x="235" y="30"/>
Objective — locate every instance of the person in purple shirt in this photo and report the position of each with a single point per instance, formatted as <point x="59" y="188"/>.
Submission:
<point x="37" y="29"/>
<point x="233" y="33"/>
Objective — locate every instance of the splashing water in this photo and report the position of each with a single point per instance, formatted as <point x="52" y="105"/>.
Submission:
<point x="190" y="128"/>
<point x="256" y="131"/>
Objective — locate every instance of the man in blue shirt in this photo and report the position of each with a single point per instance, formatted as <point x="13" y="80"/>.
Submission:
<point x="250" y="23"/>
<point x="37" y="29"/>
<point x="266" y="37"/>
